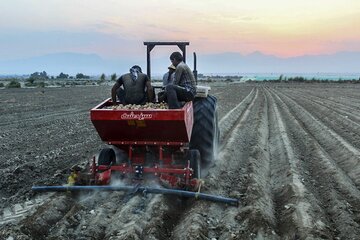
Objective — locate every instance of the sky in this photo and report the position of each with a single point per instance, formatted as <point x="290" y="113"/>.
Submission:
<point x="116" y="28"/>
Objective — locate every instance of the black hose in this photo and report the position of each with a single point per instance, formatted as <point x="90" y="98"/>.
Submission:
<point x="182" y="193"/>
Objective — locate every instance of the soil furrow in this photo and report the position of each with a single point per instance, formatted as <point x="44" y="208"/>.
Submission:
<point x="331" y="117"/>
<point x="324" y="180"/>
<point x="230" y="120"/>
<point x="228" y="177"/>
<point x="335" y="95"/>
<point x="295" y="207"/>
<point x="342" y="107"/>
<point x="346" y="155"/>
<point x="290" y="153"/>
<point x="21" y="121"/>
<point x="258" y="214"/>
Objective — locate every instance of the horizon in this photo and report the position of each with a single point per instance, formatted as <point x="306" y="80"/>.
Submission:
<point x="210" y="64"/>
<point x="243" y="75"/>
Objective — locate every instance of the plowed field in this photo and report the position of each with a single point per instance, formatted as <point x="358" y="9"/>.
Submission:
<point x="289" y="152"/>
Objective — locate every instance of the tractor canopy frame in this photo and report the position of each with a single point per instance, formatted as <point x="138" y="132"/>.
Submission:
<point x="182" y="45"/>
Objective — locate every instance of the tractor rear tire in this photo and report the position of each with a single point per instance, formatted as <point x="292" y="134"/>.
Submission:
<point x="194" y="157"/>
<point x="107" y="157"/>
<point x="205" y="132"/>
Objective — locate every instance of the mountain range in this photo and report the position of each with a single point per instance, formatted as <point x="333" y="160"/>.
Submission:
<point x="230" y="62"/>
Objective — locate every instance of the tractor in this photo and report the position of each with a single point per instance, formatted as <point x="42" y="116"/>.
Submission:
<point x="168" y="146"/>
<point x="172" y="144"/>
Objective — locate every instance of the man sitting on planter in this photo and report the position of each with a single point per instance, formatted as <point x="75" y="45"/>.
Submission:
<point x="131" y="88"/>
<point x="184" y="86"/>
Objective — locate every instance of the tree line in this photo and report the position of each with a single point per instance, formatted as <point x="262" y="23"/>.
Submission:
<point x="44" y="76"/>
<point x="37" y="79"/>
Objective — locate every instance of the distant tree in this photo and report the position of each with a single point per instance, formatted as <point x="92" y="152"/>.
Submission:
<point x="102" y="77"/>
<point x="281" y="77"/>
<point x="13" y="84"/>
<point x="113" y="77"/>
<point x="63" y="76"/>
<point x="39" y="75"/>
<point x="44" y="74"/>
<point x="81" y="76"/>
<point x="30" y="80"/>
<point x="1" y="85"/>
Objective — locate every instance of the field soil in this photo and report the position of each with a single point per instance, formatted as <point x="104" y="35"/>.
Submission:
<point x="289" y="152"/>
